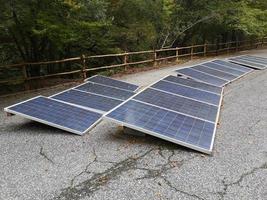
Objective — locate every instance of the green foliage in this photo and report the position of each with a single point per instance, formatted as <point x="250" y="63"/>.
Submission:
<point x="34" y="30"/>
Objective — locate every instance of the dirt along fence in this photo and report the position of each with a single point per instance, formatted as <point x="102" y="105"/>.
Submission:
<point x="16" y="77"/>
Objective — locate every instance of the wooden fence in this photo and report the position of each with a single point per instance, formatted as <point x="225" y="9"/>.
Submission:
<point x="152" y="57"/>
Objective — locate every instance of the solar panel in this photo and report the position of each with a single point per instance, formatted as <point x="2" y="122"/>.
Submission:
<point x="87" y="100"/>
<point x="188" y="92"/>
<point x="213" y="72"/>
<point x="232" y="65"/>
<point x="251" y="59"/>
<point x="168" y="125"/>
<point x="202" y="77"/>
<point x="247" y="63"/>
<point x="256" y="57"/>
<point x="222" y="68"/>
<point x="194" y="84"/>
<point x="179" y="104"/>
<point x="57" y="114"/>
<point x="107" y="91"/>
<point x="112" y="82"/>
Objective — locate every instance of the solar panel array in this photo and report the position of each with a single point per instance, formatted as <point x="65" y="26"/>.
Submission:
<point x="175" y="109"/>
<point x="250" y="61"/>
<point x="183" y="110"/>
<point x="77" y="109"/>
<point x="178" y="109"/>
<point x="216" y="72"/>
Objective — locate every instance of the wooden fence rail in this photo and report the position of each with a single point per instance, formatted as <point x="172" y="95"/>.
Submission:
<point x="153" y="57"/>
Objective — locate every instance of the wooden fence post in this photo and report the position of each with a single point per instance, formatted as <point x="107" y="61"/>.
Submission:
<point x="205" y="50"/>
<point x="155" y="59"/>
<point x="125" y="60"/>
<point x="177" y="54"/>
<point x="236" y="45"/>
<point x="228" y="48"/>
<point x="191" y="52"/>
<point x="25" y="77"/>
<point x="83" y="72"/>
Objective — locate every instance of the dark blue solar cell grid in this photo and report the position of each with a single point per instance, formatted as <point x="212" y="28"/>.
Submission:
<point x="106" y="91"/>
<point x="179" y="104"/>
<point x="247" y="63"/>
<point x="168" y="124"/>
<point x="223" y="68"/>
<point x="194" y="84"/>
<point x="188" y="92"/>
<point x="112" y="82"/>
<point x="232" y="65"/>
<point x="58" y="113"/>
<point x="88" y="100"/>
<point x="214" y="72"/>
<point x="251" y="59"/>
<point x="202" y="77"/>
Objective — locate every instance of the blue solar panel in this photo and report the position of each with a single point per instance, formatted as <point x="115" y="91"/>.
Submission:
<point x="247" y="63"/>
<point x="194" y="84"/>
<point x="105" y="90"/>
<point x="250" y="63"/>
<point x="187" y="131"/>
<point x="112" y="82"/>
<point x="256" y="57"/>
<point x="255" y="60"/>
<point x="214" y="72"/>
<point x="57" y="114"/>
<point x="179" y="104"/>
<point x="222" y="68"/>
<point x="188" y="92"/>
<point x="202" y="77"/>
<point x="87" y="100"/>
<point x="232" y="65"/>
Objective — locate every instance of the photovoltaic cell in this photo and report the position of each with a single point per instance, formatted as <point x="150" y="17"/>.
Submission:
<point x="57" y="114"/>
<point x="222" y="68"/>
<point x="214" y="72"/>
<point x="187" y="131"/>
<point x="194" y="84"/>
<point x="105" y="90"/>
<point x="232" y="65"/>
<point x="202" y="77"/>
<point x="87" y="100"/>
<point x="112" y="82"/>
<point x="247" y="63"/>
<point x="178" y="104"/>
<point x="188" y="92"/>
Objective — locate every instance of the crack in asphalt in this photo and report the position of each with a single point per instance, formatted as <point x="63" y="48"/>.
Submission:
<point x="86" y="170"/>
<point x="155" y="173"/>
<point x="238" y="181"/>
<point x="93" y="184"/>
<point x="43" y="154"/>
<point x="159" y="173"/>
<point x="250" y="128"/>
<point x="181" y="191"/>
